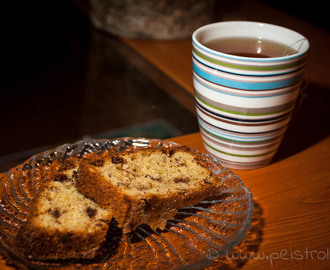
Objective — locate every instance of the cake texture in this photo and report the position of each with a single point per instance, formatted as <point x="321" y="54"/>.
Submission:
<point x="63" y="223"/>
<point x="147" y="185"/>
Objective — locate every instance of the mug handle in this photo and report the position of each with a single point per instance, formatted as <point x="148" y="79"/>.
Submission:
<point x="302" y="93"/>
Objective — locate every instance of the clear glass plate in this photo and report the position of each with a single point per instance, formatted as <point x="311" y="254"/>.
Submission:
<point x="188" y="241"/>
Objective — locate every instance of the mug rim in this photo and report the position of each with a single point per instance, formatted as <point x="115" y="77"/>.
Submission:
<point x="244" y="58"/>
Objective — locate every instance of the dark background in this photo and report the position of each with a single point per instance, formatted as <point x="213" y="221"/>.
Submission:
<point x="61" y="80"/>
<point x="315" y="12"/>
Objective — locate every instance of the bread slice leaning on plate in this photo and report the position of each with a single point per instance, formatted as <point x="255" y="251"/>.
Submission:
<point x="147" y="185"/>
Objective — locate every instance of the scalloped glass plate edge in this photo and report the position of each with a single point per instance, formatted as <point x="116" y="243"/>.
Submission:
<point x="218" y="215"/>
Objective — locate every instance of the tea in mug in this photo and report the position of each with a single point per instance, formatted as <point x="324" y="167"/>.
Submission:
<point x="250" y="47"/>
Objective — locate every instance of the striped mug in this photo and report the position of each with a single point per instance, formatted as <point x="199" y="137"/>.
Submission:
<point x="245" y="103"/>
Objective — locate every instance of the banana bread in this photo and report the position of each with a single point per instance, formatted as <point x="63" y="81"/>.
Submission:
<point x="147" y="185"/>
<point x="63" y="223"/>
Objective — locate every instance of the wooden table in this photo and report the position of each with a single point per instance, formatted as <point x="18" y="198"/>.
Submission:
<point x="291" y="222"/>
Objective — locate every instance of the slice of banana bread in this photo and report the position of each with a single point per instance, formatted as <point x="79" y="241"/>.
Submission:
<point x="63" y="223"/>
<point x="147" y="185"/>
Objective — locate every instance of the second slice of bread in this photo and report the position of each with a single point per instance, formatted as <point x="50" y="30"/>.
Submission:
<point x="63" y="223"/>
<point x="147" y="185"/>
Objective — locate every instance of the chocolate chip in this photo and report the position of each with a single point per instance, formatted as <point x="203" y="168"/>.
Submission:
<point x="61" y="178"/>
<point x="117" y="160"/>
<point x="180" y="162"/>
<point x="97" y="163"/>
<point x="67" y="237"/>
<point x="91" y="212"/>
<point x="168" y="152"/>
<point x="171" y="153"/>
<point x="182" y="192"/>
<point x="56" y="213"/>
<point x="181" y="180"/>
<point x="158" y="179"/>
<point x="207" y="181"/>
<point x="147" y="206"/>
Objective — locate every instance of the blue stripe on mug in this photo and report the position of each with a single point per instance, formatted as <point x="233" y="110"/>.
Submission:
<point x="245" y="85"/>
<point x="197" y="81"/>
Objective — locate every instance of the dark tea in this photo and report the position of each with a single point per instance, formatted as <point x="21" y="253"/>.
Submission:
<point x="250" y="47"/>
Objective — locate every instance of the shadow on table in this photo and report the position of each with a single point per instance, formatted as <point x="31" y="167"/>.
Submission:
<point x="310" y="125"/>
<point x="248" y="248"/>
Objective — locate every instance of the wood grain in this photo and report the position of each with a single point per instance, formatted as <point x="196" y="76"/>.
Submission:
<point x="293" y="196"/>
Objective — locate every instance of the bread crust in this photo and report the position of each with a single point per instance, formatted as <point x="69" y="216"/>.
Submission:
<point x="44" y="244"/>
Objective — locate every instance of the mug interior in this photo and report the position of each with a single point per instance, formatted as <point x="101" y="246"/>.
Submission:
<point x="245" y="29"/>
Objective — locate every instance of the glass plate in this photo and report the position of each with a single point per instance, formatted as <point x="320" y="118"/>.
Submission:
<point x="188" y="241"/>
